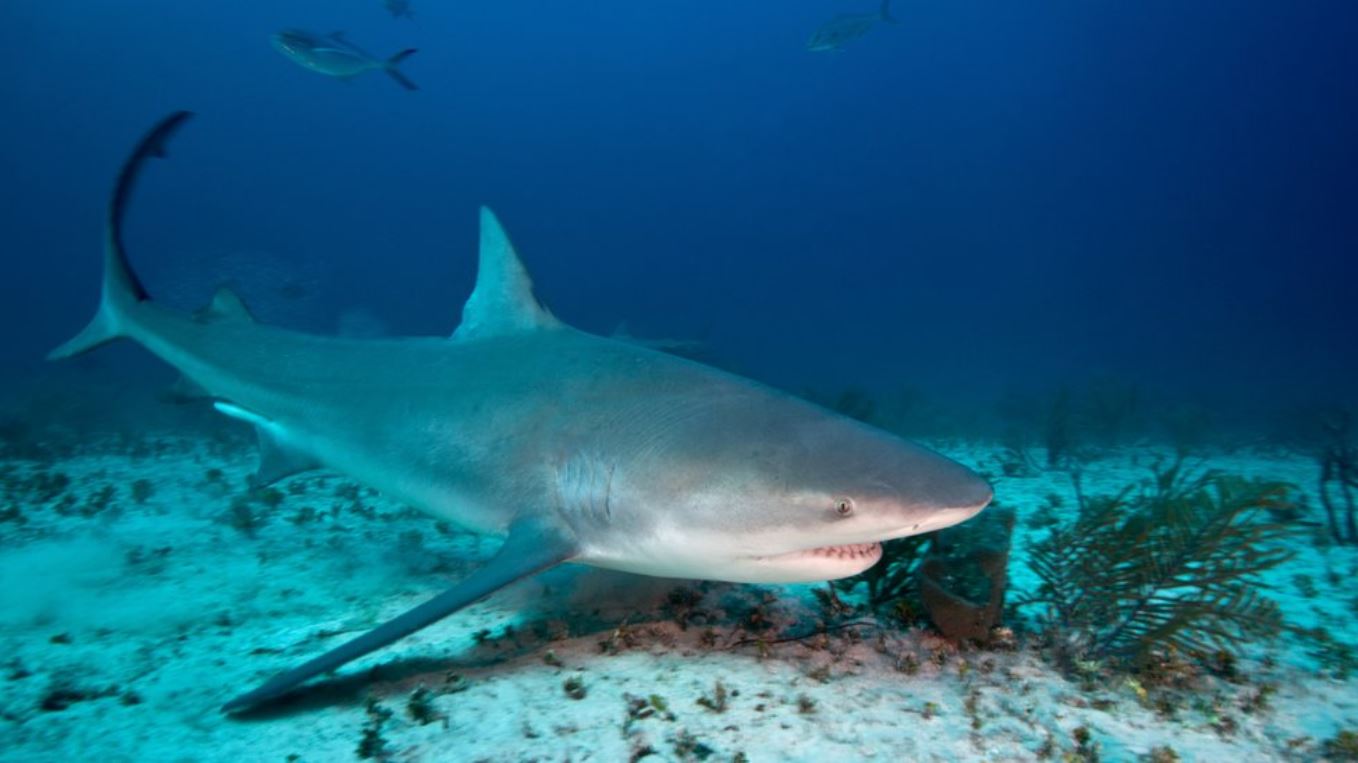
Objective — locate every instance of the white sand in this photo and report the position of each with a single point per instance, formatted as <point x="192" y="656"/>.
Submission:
<point x="156" y="640"/>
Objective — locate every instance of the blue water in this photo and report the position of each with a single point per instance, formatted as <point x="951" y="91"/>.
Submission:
<point x="981" y="198"/>
<point x="1042" y="237"/>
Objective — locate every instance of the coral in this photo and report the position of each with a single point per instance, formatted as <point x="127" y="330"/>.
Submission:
<point x="717" y="701"/>
<point x="98" y="502"/>
<point x="142" y="490"/>
<point x="574" y="688"/>
<point x="682" y="604"/>
<point x="1306" y="585"/>
<point x="249" y="512"/>
<point x="267" y="497"/>
<point x="420" y="707"/>
<point x="1336" y="657"/>
<point x="39" y="487"/>
<point x="1086" y="749"/>
<point x="641" y="708"/>
<point x="243" y="516"/>
<point x="371" y="743"/>
<point x="892" y="579"/>
<point x="963" y="581"/>
<point x="688" y="747"/>
<point x="972" y="706"/>
<point x="832" y="607"/>
<point x="1342" y="746"/>
<point x="1171" y="565"/>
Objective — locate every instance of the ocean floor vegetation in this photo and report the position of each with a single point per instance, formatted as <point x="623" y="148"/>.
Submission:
<point x="1145" y="606"/>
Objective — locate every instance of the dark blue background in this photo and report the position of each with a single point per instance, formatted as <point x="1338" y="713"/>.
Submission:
<point x="986" y="195"/>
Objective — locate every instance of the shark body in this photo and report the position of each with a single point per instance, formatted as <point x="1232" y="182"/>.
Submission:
<point x="574" y="447"/>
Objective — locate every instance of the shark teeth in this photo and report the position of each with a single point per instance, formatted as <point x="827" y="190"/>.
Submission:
<point x="850" y="551"/>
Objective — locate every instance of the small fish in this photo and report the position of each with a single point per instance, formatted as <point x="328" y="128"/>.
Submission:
<point x="399" y="9"/>
<point x="687" y="348"/>
<point x="334" y="56"/>
<point x="843" y="29"/>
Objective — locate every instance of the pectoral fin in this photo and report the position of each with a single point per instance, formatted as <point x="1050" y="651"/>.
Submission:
<point x="532" y="546"/>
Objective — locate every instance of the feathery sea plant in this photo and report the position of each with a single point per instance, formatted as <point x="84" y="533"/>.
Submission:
<point x="1056" y="432"/>
<point x="1172" y="564"/>
<point x="1339" y="480"/>
<point x="892" y="581"/>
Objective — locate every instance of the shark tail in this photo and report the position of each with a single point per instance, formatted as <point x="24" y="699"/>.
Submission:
<point x="886" y="13"/>
<point x="121" y="288"/>
<point x="395" y="73"/>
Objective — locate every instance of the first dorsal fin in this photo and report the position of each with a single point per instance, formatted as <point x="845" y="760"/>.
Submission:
<point x="503" y="301"/>
<point x="226" y="305"/>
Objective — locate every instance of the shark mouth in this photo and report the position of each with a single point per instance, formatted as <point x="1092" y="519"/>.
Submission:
<point x="848" y="552"/>
<point x="851" y="551"/>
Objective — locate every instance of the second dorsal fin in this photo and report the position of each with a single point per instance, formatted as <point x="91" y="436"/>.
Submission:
<point x="226" y="305"/>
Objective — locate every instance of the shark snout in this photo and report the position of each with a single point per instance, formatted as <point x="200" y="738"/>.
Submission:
<point x="967" y="505"/>
<point x="972" y="495"/>
<point x="946" y="494"/>
<point x="960" y="492"/>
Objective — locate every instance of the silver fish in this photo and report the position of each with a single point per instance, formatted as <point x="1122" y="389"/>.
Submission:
<point x="335" y="56"/>
<point x="843" y="29"/>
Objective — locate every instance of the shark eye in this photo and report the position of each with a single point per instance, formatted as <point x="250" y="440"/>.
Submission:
<point x="843" y="507"/>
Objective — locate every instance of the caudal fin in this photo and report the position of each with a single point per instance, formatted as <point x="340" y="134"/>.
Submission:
<point x="121" y="288"/>
<point x="396" y="74"/>
<point x="886" y="13"/>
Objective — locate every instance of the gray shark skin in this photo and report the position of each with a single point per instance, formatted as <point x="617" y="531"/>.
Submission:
<point x="335" y="56"/>
<point x="575" y="447"/>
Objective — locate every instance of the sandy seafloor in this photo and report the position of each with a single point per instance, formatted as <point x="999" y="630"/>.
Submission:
<point x="122" y="632"/>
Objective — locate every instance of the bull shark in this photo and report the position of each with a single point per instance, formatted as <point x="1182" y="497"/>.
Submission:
<point x="575" y="447"/>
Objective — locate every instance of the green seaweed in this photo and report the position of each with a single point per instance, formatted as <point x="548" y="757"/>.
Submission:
<point x="371" y="743"/>
<point x="717" y="701"/>
<point x="420" y="707"/>
<point x="574" y="687"/>
<point x="1171" y="564"/>
<point x="142" y="490"/>
<point x="689" y="747"/>
<point x="1342" y="746"/>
